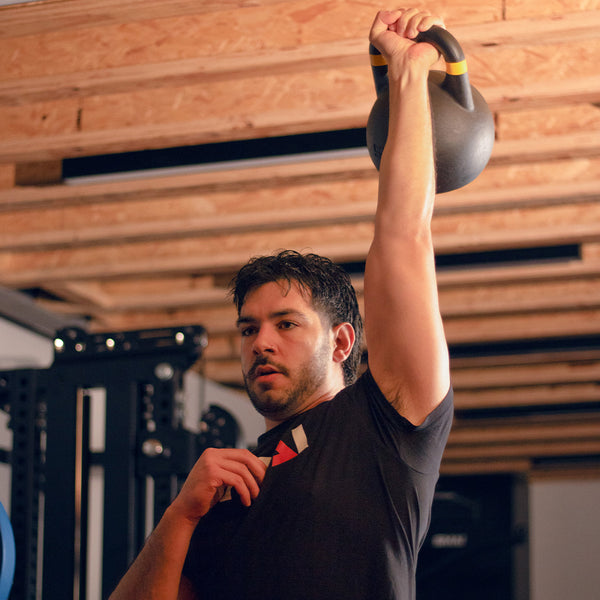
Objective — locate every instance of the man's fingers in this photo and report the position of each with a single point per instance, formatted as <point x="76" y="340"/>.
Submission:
<point x="408" y="22"/>
<point x="237" y="468"/>
<point x="238" y="476"/>
<point x="428" y="22"/>
<point x="388" y="26"/>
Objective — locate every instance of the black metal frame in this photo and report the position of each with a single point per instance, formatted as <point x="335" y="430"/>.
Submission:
<point x="142" y="374"/>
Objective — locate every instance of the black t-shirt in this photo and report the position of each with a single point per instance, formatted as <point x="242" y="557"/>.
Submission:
<point x="342" y="511"/>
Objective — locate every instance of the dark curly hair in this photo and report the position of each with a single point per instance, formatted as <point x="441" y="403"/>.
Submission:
<point x="329" y="286"/>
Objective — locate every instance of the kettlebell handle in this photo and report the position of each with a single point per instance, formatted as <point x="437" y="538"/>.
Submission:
<point x="456" y="81"/>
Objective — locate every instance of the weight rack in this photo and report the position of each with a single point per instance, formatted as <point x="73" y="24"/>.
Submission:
<point x="142" y="375"/>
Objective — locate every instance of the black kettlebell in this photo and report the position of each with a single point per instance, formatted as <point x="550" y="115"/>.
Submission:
<point x="463" y="125"/>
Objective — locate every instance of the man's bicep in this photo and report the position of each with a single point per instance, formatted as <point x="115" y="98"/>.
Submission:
<point x="405" y="338"/>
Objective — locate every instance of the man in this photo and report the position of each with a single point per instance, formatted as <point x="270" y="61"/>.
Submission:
<point x="336" y="501"/>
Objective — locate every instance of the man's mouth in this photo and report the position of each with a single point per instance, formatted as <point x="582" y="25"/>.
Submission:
<point x="262" y="371"/>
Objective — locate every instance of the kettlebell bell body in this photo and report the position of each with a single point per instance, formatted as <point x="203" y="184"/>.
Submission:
<point x="462" y="123"/>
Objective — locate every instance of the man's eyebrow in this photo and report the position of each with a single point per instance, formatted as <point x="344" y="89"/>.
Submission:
<point x="274" y="315"/>
<point x="243" y="320"/>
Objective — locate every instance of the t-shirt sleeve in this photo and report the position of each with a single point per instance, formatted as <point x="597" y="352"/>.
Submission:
<point x="419" y="446"/>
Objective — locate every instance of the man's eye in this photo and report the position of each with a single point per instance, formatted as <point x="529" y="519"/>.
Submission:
<point x="286" y="325"/>
<point x="247" y="331"/>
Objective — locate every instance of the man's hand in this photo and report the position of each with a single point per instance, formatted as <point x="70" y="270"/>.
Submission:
<point x="213" y="473"/>
<point x="392" y="33"/>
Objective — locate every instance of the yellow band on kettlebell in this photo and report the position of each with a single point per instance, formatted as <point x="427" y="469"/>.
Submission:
<point x="377" y="60"/>
<point x="456" y="68"/>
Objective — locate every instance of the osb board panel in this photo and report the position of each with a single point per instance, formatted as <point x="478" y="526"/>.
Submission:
<point x="168" y="285"/>
<point x="518" y="9"/>
<point x="521" y="297"/>
<point x="531" y="63"/>
<point x="41" y="119"/>
<point x="558" y="171"/>
<point x="525" y="374"/>
<point x="548" y="121"/>
<point x="226" y="110"/>
<point x="294" y="23"/>
<point x="43" y="16"/>
<point x="244" y="102"/>
<point x="7" y="176"/>
<point x="467" y="330"/>
<point x="591" y="251"/>
<point x="476" y="40"/>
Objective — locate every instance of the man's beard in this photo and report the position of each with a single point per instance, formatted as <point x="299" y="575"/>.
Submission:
<point x="280" y="404"/>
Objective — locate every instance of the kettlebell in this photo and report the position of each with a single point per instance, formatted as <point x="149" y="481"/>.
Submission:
<point x="462" y="123"/>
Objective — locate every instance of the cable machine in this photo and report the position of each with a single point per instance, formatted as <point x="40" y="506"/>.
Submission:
<point x="145" y="445"/>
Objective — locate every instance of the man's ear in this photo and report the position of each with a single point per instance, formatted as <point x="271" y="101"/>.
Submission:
<point x="343" y="337"/>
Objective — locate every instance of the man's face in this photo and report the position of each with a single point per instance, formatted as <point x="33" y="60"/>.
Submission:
<point x="286" y="351"/>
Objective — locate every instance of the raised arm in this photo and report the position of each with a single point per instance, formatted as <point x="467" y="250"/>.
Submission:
<point x="408" y="354"/>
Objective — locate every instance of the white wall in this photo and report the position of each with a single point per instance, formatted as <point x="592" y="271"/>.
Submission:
<point x="23" y="349"/>
<point x="19" y="349"/>
<point x="565" y="539"/>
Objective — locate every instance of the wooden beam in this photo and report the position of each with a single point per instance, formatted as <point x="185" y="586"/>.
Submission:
<point x="503" y="328"/>
<point x="542" y="94"/>
<point x="520" y="430"/>
<point x="38" y="173"/>
<point x="520" y="298"/>
<point x="549" y="373"/>
<point x="515" y="396"/>
<point x="81" y="293"/>
<point x="539" y="271"/>
<point x="533" y="450"/>
<point x="7" y="176"/>
<point x="554" y="147"/>
<point x="549" y="356"/>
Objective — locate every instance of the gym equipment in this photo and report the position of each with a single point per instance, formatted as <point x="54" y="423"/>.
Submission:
<point x="7" y="554"/>
<point x="145" y="455"/>
<point x="463" y="125"/>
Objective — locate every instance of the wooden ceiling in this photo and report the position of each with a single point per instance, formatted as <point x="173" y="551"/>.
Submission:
<point x="518" y="249"/>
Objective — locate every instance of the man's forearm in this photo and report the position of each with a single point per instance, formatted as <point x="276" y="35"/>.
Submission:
<point x="156" y="572"/>
<point x="407" y="181"/>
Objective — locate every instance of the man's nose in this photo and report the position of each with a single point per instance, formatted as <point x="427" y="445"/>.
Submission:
<point x="263" y="340"/>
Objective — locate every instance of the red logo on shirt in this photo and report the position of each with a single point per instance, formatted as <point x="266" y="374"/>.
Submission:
<point x="283" y="452"/>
